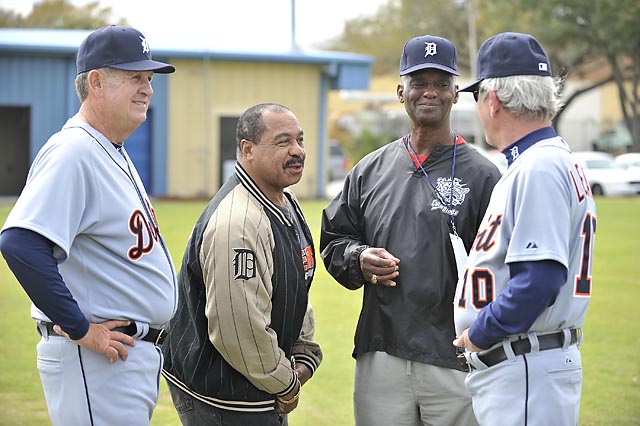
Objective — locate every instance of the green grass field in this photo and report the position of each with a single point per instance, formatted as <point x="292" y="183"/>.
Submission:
<point x="611" y="347"/>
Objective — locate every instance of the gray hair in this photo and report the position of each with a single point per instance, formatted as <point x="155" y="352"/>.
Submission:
<point x="82" y="82"/>
<point x="82" y="86"/>
<point x="526" y="96"/>
<point x="250" y="125"/>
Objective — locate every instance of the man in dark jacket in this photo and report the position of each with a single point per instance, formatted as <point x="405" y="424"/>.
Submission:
<point x="401" y="226"/>
<point x="241" y="343"/>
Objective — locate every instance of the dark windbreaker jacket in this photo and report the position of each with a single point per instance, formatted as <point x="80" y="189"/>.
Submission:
<point x="388" y="202"/>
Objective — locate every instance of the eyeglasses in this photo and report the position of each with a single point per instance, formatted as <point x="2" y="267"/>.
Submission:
<point x="476" y="93"/>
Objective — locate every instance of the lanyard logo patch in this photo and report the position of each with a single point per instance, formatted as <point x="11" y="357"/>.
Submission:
<point x="457" y="194"/>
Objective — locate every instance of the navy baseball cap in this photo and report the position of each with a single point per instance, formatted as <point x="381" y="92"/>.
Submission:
<point x="428" y="51"/>
<point x="123" y="48"/>
<point x="508" y="54"/>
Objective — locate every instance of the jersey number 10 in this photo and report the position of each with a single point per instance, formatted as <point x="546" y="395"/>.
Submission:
<point x="481" y="280"/>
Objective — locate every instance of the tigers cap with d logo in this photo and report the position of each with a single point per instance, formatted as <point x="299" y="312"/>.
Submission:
<point x="428" y="51"/>
<point x="119" y="47"/>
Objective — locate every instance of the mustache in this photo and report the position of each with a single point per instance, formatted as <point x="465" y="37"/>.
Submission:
<point x="294" y="160"/>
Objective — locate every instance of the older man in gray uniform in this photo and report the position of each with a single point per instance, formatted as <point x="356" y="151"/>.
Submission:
<point x="525" y="293"/>
<point x="84" y="243"/>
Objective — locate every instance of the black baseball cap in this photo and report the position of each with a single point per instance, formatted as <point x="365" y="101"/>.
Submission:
<point x="508" y="54"/>
<point x="119" y="47"/>
<point x="428" y="51"/>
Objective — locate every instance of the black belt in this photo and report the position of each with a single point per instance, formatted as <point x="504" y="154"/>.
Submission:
<point x="523" y="346"/>
<point x="154" y="335"/>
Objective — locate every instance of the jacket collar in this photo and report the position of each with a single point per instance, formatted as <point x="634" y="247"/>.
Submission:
<point x="257" y="193"/>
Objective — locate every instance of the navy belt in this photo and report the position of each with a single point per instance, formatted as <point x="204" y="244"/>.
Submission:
<point x="522" y="347"/>
<point x="154" y="335"/>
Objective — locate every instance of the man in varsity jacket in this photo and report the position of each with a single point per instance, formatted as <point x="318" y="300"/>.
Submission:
<point x="241" y="343"/>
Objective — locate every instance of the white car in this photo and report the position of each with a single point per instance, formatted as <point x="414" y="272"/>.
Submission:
<point x="630" y="159"/>
<point x="605" y="176"/>
<point x="631" y="162"/>
<point x="493" y="155"/>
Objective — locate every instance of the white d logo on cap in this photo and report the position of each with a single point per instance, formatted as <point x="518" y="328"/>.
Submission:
<point x="542" y="66"/>
<point x="430" y="49"/>
<point x="145" y="45"/>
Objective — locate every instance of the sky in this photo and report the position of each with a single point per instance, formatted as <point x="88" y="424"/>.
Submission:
<point x="246" y="24"/>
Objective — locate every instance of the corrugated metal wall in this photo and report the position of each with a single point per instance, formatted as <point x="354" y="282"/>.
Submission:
<point x="187" y="109"/>
<point x="46" y="85"/>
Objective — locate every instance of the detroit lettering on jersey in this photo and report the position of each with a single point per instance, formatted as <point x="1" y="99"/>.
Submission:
<point x="485" y="237"/>
<point x="145" y="230"/>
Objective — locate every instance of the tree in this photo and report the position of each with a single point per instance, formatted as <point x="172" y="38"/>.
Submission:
<point x="383" y="34"/>
<point x="369" y="129"/>
<point x="582" y="37"/>
<point x="60" y="14"/>
<point x="9" y="19"/>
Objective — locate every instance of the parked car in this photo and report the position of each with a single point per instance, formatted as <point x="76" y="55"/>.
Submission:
<point x="631" y="162"/>
<point x="337" y="161"/>
<point x="606" y="177"/>
<point x="628" y="160"/>
<point x="614" y="138"/>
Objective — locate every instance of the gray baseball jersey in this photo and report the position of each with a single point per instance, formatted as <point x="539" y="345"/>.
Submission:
<point x="87" y="198"/>
<point x="542" y="209"/>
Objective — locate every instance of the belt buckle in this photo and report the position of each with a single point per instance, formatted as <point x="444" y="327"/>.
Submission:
<point x="462" y="360"/>
<point x="161" y="336"/>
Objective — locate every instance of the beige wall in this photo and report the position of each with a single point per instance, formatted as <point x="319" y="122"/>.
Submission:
<point x="201" y="92"/>
<point x="611" y="111"/>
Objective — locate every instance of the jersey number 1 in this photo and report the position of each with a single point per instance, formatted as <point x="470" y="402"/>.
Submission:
<point x="583" y="281"/>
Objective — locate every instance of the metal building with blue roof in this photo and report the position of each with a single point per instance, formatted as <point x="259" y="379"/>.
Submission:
<point x="186" y="148"/>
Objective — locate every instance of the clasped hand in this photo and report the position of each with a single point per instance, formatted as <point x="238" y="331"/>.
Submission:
<point x="378" y="266"/>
